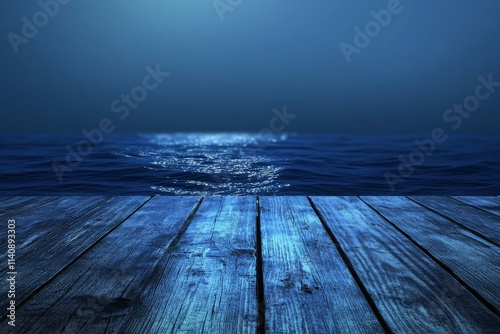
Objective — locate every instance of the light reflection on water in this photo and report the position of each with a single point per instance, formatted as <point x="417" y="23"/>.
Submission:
<point x="214" y="163"/>
<point x="248" y="164"/>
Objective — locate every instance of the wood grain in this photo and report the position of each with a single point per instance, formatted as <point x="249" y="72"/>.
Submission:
<point x="191" y="265"/>
<point x="483" y="223"/>
<point x="207" y="284"/>
<point x="97" y="291"/>
<point x="487" y="203"/>
<point x="50" y="237"/>
<point x="308" y="288"/>
<point x="11" y="206"/>
<point x="411" y="291"/>
<point x="473" y="259"/>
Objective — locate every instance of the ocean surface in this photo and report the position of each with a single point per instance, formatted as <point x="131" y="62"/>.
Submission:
<point x="248" y="164"/>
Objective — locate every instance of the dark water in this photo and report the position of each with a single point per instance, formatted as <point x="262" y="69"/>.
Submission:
<point x="242" y="164"/>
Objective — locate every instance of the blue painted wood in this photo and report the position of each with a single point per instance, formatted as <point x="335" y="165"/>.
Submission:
<point x="483" y="223"/>
<point x="208" y="283"/>
<point x="487" y="203"/>
<point x="474" y="260"/>
<point x="15" y="205"/>
<point x="412" y="292"/>
<point x="49" y="238"/>
<point x="99" y="290"/>
<point x="308" y="288"/>
<point x="140" y="265"/>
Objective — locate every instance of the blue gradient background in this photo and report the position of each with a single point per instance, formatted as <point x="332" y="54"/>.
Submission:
<point x="228" y="75"/>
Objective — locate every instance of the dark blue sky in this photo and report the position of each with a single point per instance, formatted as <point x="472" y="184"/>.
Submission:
<point x="228" y="75"/>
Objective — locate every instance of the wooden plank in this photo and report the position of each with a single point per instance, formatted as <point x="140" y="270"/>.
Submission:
<point x="208" y="283"/>
<point x="11" y="204"/>
<point x="32" y="225"/>
<point x="15" y="205"/>
<point x="308" y="288"/>
<point x="202" y="280"/>
<point x="50" y="237"/>
<point x="487" y="203"/>
<point x="473" y="259"/>
<point x="97" y="292"/>
<point x="411" y="291"/>
<point x="482" y="223"/>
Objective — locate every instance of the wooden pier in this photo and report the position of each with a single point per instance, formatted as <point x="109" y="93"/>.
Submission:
<point x="169" y="264"/>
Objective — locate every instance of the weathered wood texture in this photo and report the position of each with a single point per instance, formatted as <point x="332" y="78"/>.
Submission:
<point x="99" y="289"/>
<point x="473" y="259"/>
<point x="307" y="286"/>
<point x="207" y="284"/>
<point x="247" y="265"/>
<point x="486" y="203"/>
<point x="483" y="223"/>
<point x="52" y="236"/>
<point x="412" y="292"/>
<point x="14" y="205"/>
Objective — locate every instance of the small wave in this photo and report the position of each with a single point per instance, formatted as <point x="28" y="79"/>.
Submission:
<point x="248" y="164"/>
